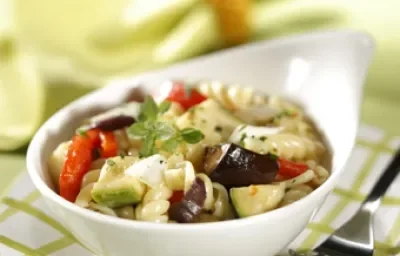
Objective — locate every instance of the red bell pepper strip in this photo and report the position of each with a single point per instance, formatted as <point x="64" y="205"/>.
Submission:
<point x="176" y="197"/>
<point x="77" y="164"/>
<point x="79" y="158"/>
<point x="109" y="145"/>
<point x="94" y="136"/>
<point x="289" y="169"/>
<point x="185" y="98"/>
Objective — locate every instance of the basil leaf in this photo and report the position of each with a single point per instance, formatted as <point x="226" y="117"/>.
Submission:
<point x="149" y="109"/>
<point x="138" y="130"/>
<point x="191" y="136"/>
<point x="164" y="130"/>
<point x="164" y="107"/>
<point x="147" y="148"/>
<point x="170" y="145"/>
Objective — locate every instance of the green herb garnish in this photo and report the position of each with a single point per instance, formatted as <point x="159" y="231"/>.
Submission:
<point x="164" y="107"/>
<point x="272" y="156"/>
<point x="149" y="110"/>
<point x="150" y="130"/>
<point x="218" y="128"/>
<point x="192" y="110"/>
<point x="81" y="132"/>
<point x="263" y="138"/>
<point x="283" y="114"/>
<point x="191" y="135"/>
<point x="170" y="145"/>
<point x="122" y="156"/>
<point x="110" y="162"/>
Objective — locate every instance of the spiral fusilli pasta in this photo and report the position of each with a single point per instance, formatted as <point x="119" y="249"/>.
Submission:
<point x="303" y="178"/>
<point x="122" y="141"/>
<point x="217" y="200"/>
<point x="278" y="102"/>
<point x="320" y="173"/>
<point x="126" y="212"/>
<point x="56" y="161"/>
<point x="102" y="209"/>
<point x="85" y="197"/>
<point x="90" y="177"/>
<point x="222" y="208"/>
<point x="296" y="193"/>
<point x="288" y="146"/>
<point x="155" y="205"/>
<point x="231" y="97"/>
<point x="296" y="126"/>
<point x="179" y="176"/>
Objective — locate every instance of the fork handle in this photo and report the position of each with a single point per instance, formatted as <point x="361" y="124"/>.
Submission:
<point x="373" y="199"/>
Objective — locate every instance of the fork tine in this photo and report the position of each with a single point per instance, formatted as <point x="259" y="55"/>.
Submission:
<point x="354" y="238"/>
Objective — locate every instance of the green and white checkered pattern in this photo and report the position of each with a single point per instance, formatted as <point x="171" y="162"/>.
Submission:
<point x="27" y="228"/>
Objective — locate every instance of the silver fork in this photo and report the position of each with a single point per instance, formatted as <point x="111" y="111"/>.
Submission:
<point x="356" y="236"/>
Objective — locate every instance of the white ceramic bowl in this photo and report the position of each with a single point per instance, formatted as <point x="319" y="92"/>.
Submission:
<point x="324" y="71"/>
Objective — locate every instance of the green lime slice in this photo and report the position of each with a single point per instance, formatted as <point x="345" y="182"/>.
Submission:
<point x="21" y="100"/>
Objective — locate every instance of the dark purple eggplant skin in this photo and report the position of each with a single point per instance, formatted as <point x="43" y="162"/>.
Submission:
<point x="113" y="123"/>
<point x="189" y="208"/>
<point x="240" y="167"/>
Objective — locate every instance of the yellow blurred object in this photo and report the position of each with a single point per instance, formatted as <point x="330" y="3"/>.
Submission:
<point x="140" y="19"/>
<point x="7" y="29"/>
<point x="233" y="18"/>
<point x="21" y="100"/>
<point x="196" y="34"/>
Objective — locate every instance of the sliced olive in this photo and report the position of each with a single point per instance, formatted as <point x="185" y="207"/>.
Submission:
<point x="114" y="123"/>
<point x="234" y="166"/>
<point x="189" y="208"/>
<point x="111" y="123"/>
<point x="136" y="94"/>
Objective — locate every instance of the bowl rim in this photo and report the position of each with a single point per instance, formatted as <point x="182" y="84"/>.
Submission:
<point x="33" y="154"/>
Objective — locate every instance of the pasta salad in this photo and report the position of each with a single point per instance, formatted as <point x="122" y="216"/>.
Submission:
<point x="191" y="154"/>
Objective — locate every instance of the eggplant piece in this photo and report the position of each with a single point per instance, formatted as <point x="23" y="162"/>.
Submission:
<point x="234" y="166"/>
<point x="189" y="208"/>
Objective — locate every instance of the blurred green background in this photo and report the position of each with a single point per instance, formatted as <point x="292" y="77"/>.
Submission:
<point x="52" y="52"/>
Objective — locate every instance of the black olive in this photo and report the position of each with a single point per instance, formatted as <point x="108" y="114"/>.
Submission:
<point x="189" y="208"/>
<point x="234" y="166"/>
<point x="113" y="123"/>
